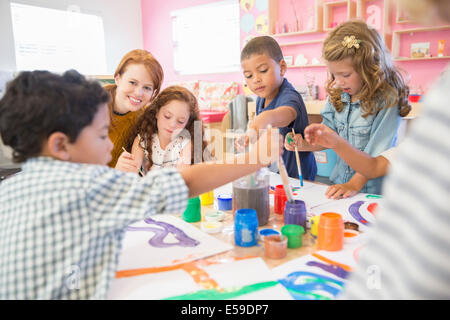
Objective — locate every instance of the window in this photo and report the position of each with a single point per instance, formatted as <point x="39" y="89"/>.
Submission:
<point x="206" y="38"/>
<point x="57" y="40"/>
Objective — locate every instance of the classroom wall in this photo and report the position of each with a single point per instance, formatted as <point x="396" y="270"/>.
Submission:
<point x="122" y="22"/>
<point x="158" y="34"/>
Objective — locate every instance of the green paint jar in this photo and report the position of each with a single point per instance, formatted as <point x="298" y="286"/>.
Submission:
<point x="193" y="210"/>
<point x="293" y="233"/>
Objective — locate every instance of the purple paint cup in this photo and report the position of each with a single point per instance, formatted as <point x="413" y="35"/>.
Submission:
<point x="295" y="213"/>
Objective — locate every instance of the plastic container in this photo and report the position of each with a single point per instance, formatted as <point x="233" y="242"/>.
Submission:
<point x="280" y="199"/>
<point x="267" y="232"/>
<point x="275" y="246"/>
<point x="295" y="213"/>
<point x="246" y="227"/>
<point x="326" y="161"/>
<point x="252" y="192"/>
<point x="207" y="198"/>
<point x="225" y="202"/>
<point x="294" y="234"/>
<point x="193" y="210"/>
<point x="314" y="225"/>
<point x="331" y="232"/>
<point x="214" y="216"/>
<point x="209" y="116"/>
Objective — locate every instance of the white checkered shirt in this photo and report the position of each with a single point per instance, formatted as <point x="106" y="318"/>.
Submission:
<point x="61" y="225"/>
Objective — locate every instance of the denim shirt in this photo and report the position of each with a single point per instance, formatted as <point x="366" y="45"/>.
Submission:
<point x="372" y="134"/>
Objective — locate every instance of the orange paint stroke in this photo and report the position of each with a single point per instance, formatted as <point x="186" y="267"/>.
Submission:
<point x="142" y="271"/>
<point x="343" y="266"/>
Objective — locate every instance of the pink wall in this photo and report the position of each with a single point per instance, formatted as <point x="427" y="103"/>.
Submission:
<point x="158" y="34"/>
<point x="157" y="26"/>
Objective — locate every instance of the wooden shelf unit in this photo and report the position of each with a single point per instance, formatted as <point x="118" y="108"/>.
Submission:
<point x="361" y="7"/>
<point x="396" y="41"/>
<point x="273" y="17"/>
<point x="328" y="8"/>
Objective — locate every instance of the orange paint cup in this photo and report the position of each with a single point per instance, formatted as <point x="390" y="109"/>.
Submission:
<point x="330" y="235"/>
<point x="275" y="246"/>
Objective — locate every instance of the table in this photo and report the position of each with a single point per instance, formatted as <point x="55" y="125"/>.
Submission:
<point x="227" y="234"/>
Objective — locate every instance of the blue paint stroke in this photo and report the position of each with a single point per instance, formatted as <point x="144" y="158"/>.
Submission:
<point x="157" y="240"/>
<point x="354" y="211"/>
<point x="336" y="270"/>
<point x="311" y="286"/>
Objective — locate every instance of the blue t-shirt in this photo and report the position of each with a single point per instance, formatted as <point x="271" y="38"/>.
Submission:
<point x="288" y="96"/>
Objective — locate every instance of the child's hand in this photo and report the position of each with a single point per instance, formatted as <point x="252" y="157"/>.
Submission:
<point x="268" y="148"/>
<point x="127" y="163"/>
<point x="291" y="141"/>
<point x="320" y="134"/>
<point x="241" y="143"/>
<point x="341" y="191"/>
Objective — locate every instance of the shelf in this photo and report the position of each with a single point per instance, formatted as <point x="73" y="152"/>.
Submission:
<point x="273" y="18"/>
<point x="301" y="42"/>
<point x="400" y="59"/>
<point x="328" y="12"/>
<point x="396" y="41"/>
<point x="423" y="29"/>
<point x="308" y="66"/>
<point x="295" y="33"/>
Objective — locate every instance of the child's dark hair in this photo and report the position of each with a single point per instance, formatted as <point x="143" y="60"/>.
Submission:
<point x="39" y="103"/>
<point x="147" y="124"/>
<point x="262" y="45"/>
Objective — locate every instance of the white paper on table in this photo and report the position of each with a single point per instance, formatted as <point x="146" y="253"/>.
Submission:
<point x="308" y="268"/>
<point x="228" y="275"/>
<point x="342" y="207"/>
<point x="138" y="253"/>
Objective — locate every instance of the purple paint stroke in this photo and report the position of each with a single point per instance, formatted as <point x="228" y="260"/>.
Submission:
<point x="159" y="235"/>
<point x="354" y="211"/>
<point x="336" y="270"/>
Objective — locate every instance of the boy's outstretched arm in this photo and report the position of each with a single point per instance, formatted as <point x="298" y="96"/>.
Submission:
<point x="204" y="177"/>
<point x="370" y="167"/>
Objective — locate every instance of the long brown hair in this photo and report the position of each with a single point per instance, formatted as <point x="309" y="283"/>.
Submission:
<point x="145" y="58"/>
<point x="382" y="84"/>
<point x="147" y="124"/>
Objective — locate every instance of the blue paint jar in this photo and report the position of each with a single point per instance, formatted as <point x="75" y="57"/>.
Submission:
<point x="225" y="202"/>
<point x="295" y="213"/>
<point x="246" y="227"/>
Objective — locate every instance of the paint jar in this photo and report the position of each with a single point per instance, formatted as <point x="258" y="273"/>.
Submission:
<point x="207" y="198"/>
<point x="280" y="199"/>
<point x="330" y="235"/>
<point x="314" y="225"/>
<point x="246" y="227"/>
<point x="295" y="213"/>
<point x="275" y="246"/>
<point x="225" y="202"/>
<point x="252" y="192"/>
<point x="267" y="232"/>
<point x="193" y="210"/>
<point x="294" y="234"/>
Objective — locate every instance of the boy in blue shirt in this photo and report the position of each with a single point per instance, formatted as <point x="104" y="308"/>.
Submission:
<point x="278" y="103"/>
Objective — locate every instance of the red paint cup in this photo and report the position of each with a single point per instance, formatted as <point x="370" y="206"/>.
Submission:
<point x="330" y="235"/>
<point x="280" y="199"/>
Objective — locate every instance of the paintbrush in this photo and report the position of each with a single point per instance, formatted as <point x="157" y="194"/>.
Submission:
<point x="299" y="167"/>
<point x="140" y="171"/>
<point x="285" y="179"/>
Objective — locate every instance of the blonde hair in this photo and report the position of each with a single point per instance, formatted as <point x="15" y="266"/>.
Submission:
<point x="423" y="9"/>
<point x="382" y="84"/>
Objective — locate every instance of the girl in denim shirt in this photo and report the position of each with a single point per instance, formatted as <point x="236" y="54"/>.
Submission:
<point x="367" y="97"/>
